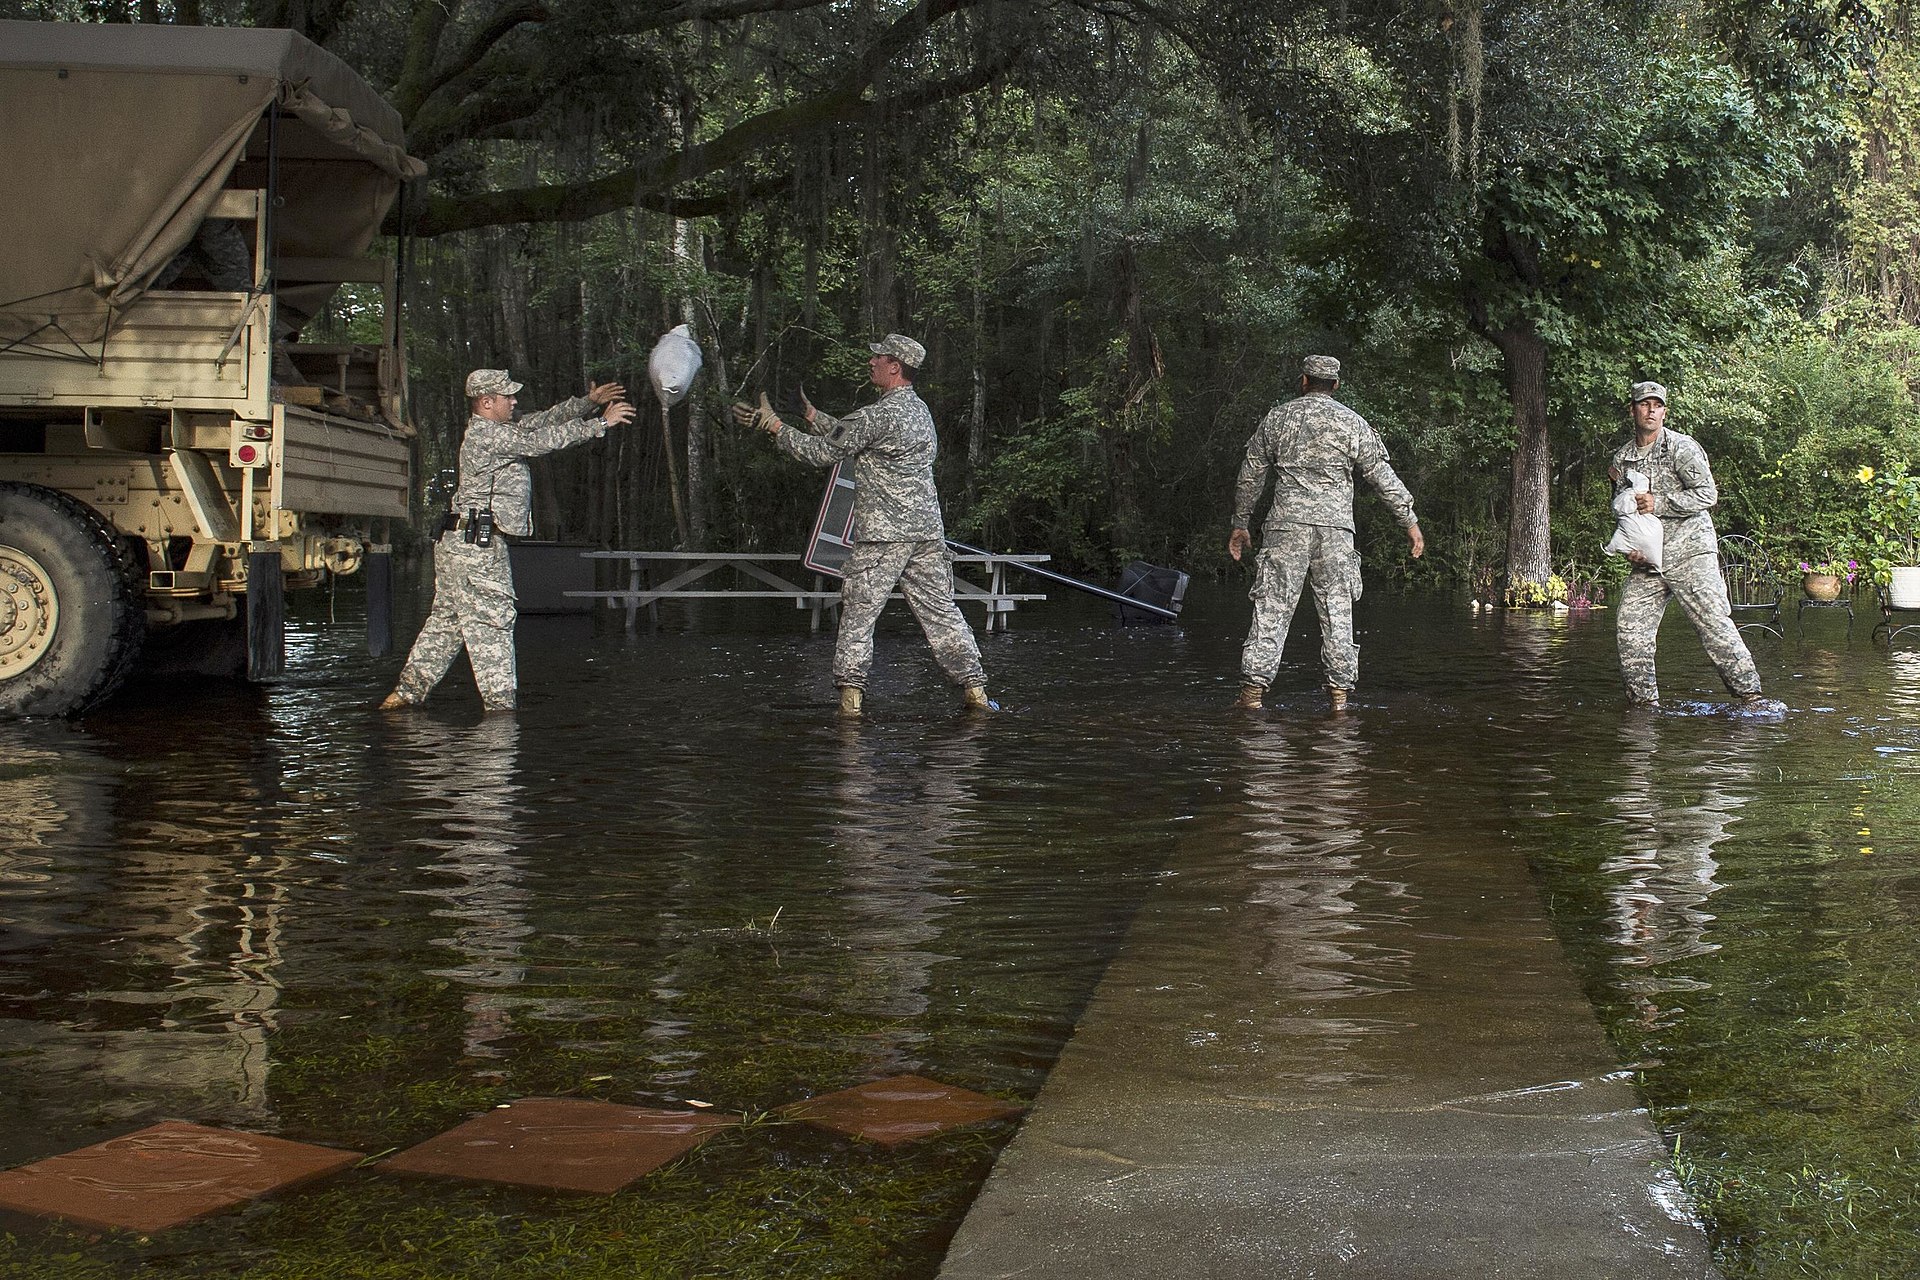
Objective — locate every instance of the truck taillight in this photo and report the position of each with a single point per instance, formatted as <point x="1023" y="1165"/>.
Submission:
<point x="250" y="445"/>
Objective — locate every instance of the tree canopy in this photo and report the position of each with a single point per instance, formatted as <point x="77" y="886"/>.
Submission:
<point x="1117" y="224"/>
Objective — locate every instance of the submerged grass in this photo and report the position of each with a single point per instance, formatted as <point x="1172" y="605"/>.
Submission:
<point x="770" y="1198"/>
<point x="1776" y="1037"/>
<point x="757" y="1203"/>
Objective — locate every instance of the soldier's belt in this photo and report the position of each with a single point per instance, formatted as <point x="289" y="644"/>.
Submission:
<point x="460" y="526"/>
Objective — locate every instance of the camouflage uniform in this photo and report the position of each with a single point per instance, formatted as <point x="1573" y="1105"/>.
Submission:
<point x="898" y="535"/>
<point x="1683" y="491"/>
<point x="473" y="600"/>
<point x="1311" y="447"/>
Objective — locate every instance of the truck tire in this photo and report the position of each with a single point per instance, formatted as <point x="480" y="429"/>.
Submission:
<point x="71" y="621"/>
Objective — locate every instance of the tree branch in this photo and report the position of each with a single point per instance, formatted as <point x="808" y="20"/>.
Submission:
<point x="714" y="11"/>
<point x="575" y="202"/>
<point x="651" y="183"/>
<point x="508" y="16"/>
<point x="462" y="111"/>
<point x="430" y="18"/>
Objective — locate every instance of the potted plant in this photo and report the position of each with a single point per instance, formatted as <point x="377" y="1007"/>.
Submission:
<point x="1893" y="529"/>
<point x="1824" y="579"/>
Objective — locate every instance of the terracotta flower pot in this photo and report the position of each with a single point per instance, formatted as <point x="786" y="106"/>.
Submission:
<point x="1821" y="586"/>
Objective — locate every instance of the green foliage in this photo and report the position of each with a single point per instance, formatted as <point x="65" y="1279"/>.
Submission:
<point x="1892" y="518"/>
<point x="1790" y="422"/>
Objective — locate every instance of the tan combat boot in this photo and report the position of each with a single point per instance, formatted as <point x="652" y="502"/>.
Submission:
<point x="1251" y="697"/>
<point x="394" y="702"/>
<point x="849" y="700"/>
<point x="1336" y="698"/>
<point x="976" y="699"/>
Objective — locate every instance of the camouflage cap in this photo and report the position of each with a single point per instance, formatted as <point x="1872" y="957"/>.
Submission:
<point x="901" y="348"/>
<point x="490" y="382"/>
<point x="1647" y="391"/>
<point x="1325" y="368"/>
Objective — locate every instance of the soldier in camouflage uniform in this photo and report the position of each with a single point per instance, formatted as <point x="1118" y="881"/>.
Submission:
<point x="1311" y="447"/>
<point x="898" y="534"/>
<point x="1681" y="491"/>
<point x="473" y="601"/>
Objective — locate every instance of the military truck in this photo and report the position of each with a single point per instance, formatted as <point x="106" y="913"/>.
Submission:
<point x="183" y="202"/>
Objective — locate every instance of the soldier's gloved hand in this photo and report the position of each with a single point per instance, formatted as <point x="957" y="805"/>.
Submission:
<point x="761" y="415"/>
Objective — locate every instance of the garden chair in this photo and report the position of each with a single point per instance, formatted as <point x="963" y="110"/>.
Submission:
<point x="1754" y="587"/>
<point x="1893" y="621"/>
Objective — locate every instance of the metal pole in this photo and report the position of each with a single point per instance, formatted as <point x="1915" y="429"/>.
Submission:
<point x="1075" y="583"/>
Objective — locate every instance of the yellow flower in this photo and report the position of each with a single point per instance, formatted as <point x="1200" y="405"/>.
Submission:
<point x="1866" y="849"/>
<point x="1866" y="475"/>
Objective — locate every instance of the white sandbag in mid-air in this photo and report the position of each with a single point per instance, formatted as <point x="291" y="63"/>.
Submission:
<point x="673" y="365"/>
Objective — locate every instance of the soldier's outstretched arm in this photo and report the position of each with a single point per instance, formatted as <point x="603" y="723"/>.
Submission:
<point x="841" y="439"/>
<point x="557" y="428"/>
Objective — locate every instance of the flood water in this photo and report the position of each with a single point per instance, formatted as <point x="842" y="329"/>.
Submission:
<point x="676" y="875"/>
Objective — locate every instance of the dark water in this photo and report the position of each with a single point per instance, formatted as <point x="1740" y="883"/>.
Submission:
<point x="676" y="875"/>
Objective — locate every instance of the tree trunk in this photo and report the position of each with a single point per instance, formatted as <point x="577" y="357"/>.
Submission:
<point x="1529" y="532"/>
<point x="687" y="246"/>
<point x="879" y="305"/>
<point x="673" y="478"/>
<point x="1143" y="367"/>
<point x="977" y="419"/>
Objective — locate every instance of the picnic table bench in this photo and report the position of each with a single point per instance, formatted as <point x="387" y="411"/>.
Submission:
<point x="689" y="571"/>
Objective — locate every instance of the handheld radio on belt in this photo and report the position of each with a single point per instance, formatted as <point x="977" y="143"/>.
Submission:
<point x="480" y="522"/>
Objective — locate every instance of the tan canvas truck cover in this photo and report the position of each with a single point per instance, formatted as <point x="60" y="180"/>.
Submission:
<point x="118" y="139"/>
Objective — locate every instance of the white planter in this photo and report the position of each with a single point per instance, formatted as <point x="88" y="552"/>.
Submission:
<point x="1904" y="591"/>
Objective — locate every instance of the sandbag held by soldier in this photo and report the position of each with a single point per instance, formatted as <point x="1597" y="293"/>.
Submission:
<point x="1675" y="483"/>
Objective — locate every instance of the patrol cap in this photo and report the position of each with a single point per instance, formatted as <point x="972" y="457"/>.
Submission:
<point x="490" y="382"/>
<point x="1647" y="391"/>
<point x="1324" y="368"/>
<point x="901" y="348"/>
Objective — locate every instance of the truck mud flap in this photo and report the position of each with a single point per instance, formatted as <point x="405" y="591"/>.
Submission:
<point x="266" y="615"/>
<point x="379" y="571"/>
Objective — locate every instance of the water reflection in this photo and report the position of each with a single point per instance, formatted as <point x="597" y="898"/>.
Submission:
<point x="902" y="814"/>
<point x="182" y="933"/>
<point x="610" y="861"/>
<point x="1674" y="810"/>
<point x="42" y="795"/>
<point x="1321" y="902"/>
<point x="467" y="772"/>
<point x="1903" y="684"/>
